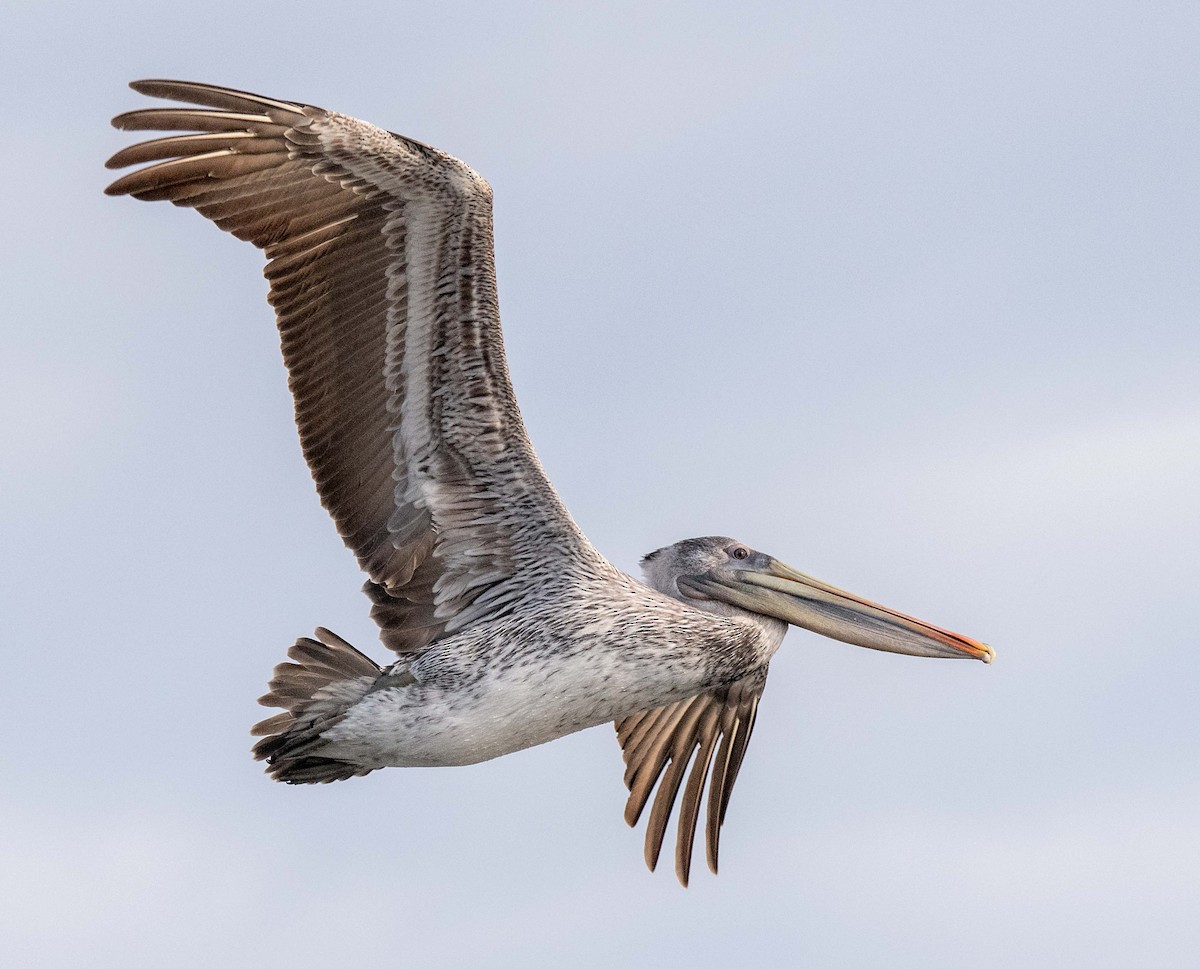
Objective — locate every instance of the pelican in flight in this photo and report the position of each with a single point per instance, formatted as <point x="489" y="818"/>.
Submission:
<point x="509" y="628"/>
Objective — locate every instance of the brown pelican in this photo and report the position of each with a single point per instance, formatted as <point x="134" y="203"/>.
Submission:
<point x="510" y="628"/>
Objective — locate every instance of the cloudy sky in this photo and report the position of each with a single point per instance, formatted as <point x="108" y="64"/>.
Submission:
<point x="904" y="294"/>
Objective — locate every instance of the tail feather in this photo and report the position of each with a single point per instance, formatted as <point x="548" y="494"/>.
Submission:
<point x="315" y="692"/>
<point x="272" y="725"/>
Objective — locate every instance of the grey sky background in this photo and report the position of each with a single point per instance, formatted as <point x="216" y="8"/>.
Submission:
<point x="904" y="294"/>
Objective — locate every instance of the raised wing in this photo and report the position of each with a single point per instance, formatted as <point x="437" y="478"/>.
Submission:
<point x="660" y="743"/>
<point x="383" y="280"/>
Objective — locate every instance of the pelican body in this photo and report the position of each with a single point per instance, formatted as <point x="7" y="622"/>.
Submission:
<point x="521" y="681"/>
<point x="510" y="629"/>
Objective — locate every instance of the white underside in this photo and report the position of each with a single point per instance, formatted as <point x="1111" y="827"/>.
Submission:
<point x="428" y="724"/>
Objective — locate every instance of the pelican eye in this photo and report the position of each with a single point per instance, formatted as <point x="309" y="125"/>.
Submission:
<point x="740" y="552"/>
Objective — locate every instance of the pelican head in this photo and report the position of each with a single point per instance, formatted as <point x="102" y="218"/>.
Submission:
<point x="728" y="577"/>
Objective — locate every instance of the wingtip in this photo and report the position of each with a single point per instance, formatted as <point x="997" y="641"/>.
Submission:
<point x="148" y="85"/>
<point x="121" y="121"/>
<point x="632" y="813"/>
<point x="651" y="852"/>
<point x="159" y="87"/>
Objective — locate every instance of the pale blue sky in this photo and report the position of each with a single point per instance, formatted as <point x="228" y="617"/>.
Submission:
<point x="904" y="294"/>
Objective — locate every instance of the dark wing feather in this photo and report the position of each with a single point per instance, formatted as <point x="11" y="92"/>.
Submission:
<point x="383" y="281"/>
<point x="709" y="731"/>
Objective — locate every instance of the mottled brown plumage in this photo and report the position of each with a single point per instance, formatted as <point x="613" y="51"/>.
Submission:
<point x="379" y="256"/>
<point x="510" y="629"/>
